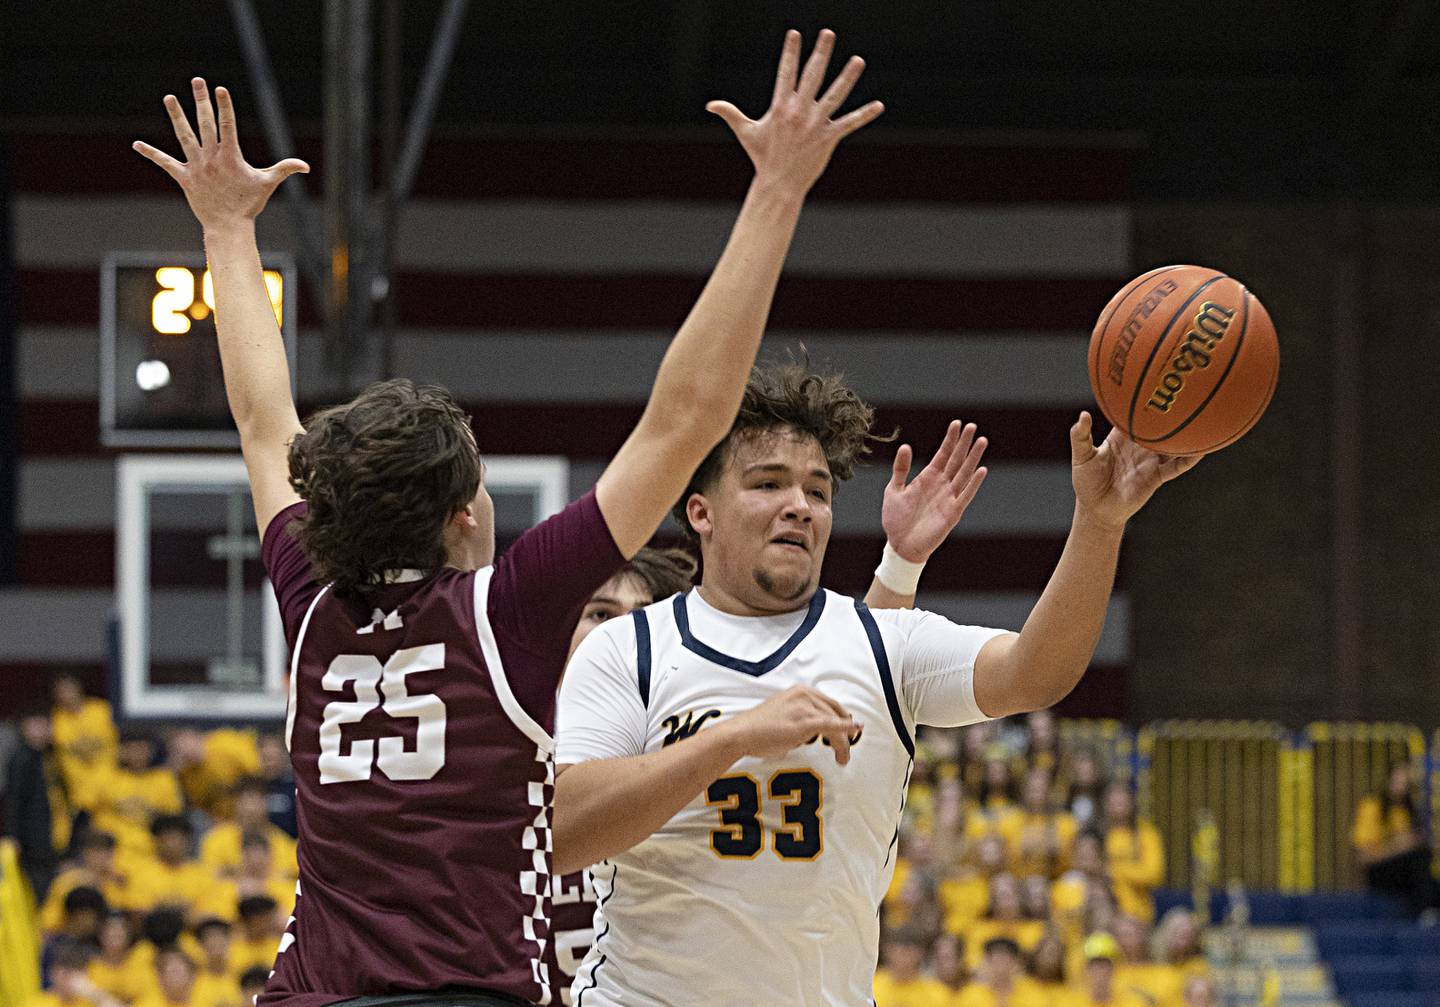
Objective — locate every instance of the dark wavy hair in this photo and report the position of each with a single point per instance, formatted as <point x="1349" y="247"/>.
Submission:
<point x="382" y="476"/>
<point x="789" y="396"/>
<point x="664" y="572"/>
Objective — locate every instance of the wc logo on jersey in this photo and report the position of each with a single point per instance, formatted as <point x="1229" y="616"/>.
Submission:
<point x="678" y="730"/>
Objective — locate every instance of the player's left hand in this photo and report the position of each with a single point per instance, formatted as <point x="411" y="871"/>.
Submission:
<point x="918" y="516"/>
<point x="1112" y="482"/>
<point x="220" y="187"/>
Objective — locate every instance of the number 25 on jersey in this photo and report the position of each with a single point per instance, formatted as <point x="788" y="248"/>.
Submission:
<point x="389" y="754"/>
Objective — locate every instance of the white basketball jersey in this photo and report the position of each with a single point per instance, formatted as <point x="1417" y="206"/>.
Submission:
<point x="766" y="888"/>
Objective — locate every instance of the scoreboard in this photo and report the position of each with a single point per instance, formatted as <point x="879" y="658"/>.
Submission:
<point x="160" y="378"/>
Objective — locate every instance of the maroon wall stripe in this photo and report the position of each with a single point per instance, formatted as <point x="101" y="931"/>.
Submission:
<point x="86" y="559"/>
<point x="586" y="431"/>
<point x="427" y="299"/>
<point x="621" y="168"/>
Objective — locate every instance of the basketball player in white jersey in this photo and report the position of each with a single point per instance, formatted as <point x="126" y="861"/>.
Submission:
<point x="917" y="517"/>
<point x="739" y="859"/>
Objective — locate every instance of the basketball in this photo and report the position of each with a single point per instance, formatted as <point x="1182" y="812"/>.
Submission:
<point x="1184" y="360"/>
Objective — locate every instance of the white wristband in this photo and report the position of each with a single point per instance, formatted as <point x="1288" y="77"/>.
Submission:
<point x="897" y="573"/>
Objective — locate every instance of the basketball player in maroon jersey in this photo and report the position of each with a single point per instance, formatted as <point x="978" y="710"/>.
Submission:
<point x="424" y="671"/>
<point x="918" y="515"/>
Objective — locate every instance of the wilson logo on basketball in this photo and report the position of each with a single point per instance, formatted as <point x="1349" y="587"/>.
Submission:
<point x="1205" y="333"/>
<point x="1127" y="336"/>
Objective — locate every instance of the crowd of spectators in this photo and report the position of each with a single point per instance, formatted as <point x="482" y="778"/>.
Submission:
<point x="1024" y="878"/>
<point x="164" y="863"/>
<point x="165" y="867"/>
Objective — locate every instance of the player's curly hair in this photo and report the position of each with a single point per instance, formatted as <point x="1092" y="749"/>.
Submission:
<point x="789" y="396"/>
<point x="382" y="476"/>
<point x="663" y="572"/>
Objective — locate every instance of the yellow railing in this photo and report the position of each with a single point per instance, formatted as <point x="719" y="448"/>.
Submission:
<point x="19" y="932"/>
<point x="1226" y="772"/>
<point x="1350" y="761"/>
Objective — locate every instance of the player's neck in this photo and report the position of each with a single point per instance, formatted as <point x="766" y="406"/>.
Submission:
<point x="733" y="603"/>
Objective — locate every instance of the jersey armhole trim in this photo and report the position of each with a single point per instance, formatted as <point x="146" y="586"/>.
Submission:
<point x="295" y="664"/>
<point x="642" y="655"/>
<point x="887" y="680"/>
<point x="490" y="649"/>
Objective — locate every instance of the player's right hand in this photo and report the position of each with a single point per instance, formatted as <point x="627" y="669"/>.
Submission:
<point x="220" y="187"/>
<point x="793" y="718"/>
<point x="792" y="142"/>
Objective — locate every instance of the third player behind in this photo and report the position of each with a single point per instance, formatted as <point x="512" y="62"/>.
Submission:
<point x="740" y="859"/>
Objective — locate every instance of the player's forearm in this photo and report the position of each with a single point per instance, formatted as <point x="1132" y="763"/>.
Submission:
<point x="603" y="808"/>
<point x="702" y="377"/>
<point x="1055" y="647"/>
<point x="252" y="352"/>
<point x="881" y="597"/>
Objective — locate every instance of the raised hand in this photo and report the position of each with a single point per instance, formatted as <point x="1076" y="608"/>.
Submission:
<point x="792" y="142"/>
<point x="1112" y="482"/>
<point x="920" y="515"/>
<point x="220" y="187"/>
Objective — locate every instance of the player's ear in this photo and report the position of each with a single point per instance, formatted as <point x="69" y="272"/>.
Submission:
<point x="697" y="512"/>
<point x="465" y="517"/>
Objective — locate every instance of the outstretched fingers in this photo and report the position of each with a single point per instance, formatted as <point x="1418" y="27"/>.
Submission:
<point x="900" y="471"/>
<point x="862" y="116"/>
<point x="189" y="146"/>
<point x="789" y="65"/>
<point x="172" y="167"/>
<point x="225" y="110"/>
<point x="290" y="166"/>
<point x="1082" y="446"/>
<point x="969" y="464"/>
<point x="960" y="448"/>
<point x="1177" y="465"/>
<point x="816" y="65"/>
<point x="841" y="86"/>
<point x="204" y="113"/>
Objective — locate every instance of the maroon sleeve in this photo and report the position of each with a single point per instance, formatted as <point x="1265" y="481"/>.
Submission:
<point x="539" y="587"/>
<point x="288" y="569"/>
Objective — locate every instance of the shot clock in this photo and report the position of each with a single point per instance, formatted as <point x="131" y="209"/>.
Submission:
<point x="160" y="378"/>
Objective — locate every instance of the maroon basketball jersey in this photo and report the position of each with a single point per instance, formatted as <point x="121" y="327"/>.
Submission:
<point x="572" y="928"/>
<point x="419" y="733"/>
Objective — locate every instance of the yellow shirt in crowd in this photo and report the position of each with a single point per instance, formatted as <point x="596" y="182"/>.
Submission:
<point x="86" y="742"/>
<point x="51" y="1000"/>
<point x="963" y="901"/>
<point x="1156" y="982"/>
<point x="921" y="992"/>
<point x="158" y="999"/>
<point x="216" y="991"/>
<point x="1014" y="827"/>
<point x="1373" y="829"/>
<point x="1026" y="933"/>
<point x="1137" y="866"/>
<point x="224" y="899"/>
<point x="1026" y="993"/>
<point x="153" y="883"/>
<point x="1080" y="998"/>
<point x="246" y="954"/>
<point x="129" y="981"/>
<point x="229" y="755"/>
<point x="220" y="850"/>
<point x="115" y="888"/>
<point x="126" y="802"/>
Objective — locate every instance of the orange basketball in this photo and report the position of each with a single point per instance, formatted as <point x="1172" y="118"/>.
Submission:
<point x="1184" y="360"/>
